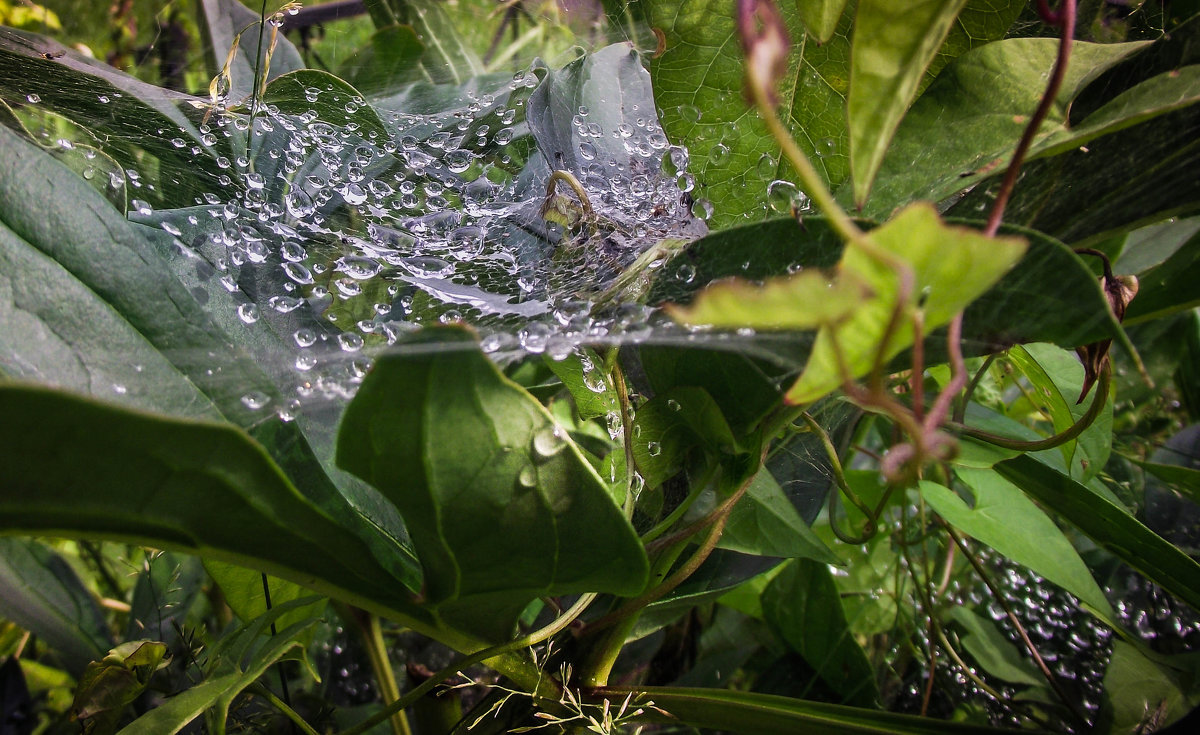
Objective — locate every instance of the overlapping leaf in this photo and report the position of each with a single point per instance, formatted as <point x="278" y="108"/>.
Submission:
<point x="501" y="505"/>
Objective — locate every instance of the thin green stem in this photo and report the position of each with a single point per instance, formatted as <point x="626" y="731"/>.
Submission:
<point x="389" y="690"/>
<point x="960" y="411"/>
<point x="681" y="509"/>
<point x="623" y="402"/>
<point x="717" y="518"/>
<point x="1012" y="618"/>
<point x="809" y="178"/>
<point x="553" y="628"/>
<point x="283" y="708"/>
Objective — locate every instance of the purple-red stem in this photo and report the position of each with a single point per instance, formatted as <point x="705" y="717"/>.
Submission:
<point x="1065" y="19"/>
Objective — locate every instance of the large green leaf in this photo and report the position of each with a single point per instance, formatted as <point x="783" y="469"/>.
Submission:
<point x="951" y="267"/>
<point x="1108" y="525"/>
<point x="124" y="115"/>
<point x="751" y="713"/>
<point x="696" y="81"/>
<point x="389" y="61"/>
<point x="893" y="44"/>
<point x="986" y="96"/>
<point x="501" y="504"/>
<point x="96" y="304"/>
<point x="1169" y="286"/>
<point x="999" y="507"/>
<point x="698" y="75"/>
<point x="70" y="466"/>
<point x="802" y="603"/>
<point x="41" y="593"/>
<point x="1140" y="690"/>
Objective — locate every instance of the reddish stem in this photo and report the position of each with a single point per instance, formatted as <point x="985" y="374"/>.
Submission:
<point x="1065" y="19"/>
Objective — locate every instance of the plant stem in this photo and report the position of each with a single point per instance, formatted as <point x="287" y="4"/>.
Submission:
<point x="999" y="596"/>
<point x="809" y="178"/>
<point x="1099" y="400"/>
<point x="960" y="411"/>
<point x="717" y="518"/>
<point x="283" y="708"/>
<point x="389" y="691"/>
<point x="1065" y="19"/>
<point x="622" y="390"/>
<point x="681" y="509"/>
<point x="553" y="628"/>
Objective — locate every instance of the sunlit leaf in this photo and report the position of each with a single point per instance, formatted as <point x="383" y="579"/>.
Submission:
<point x="243" y="591"/>
<point x="999" y="507"/>
<point x="820" y="17"/>
<point x="1108" y="525"/>
<point x="806" y="300"/>
<point x="951" y="267"/>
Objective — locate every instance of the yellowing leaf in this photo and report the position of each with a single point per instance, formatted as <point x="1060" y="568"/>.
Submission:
<point x="951" y="267"/>
<point x="806" y="300"/>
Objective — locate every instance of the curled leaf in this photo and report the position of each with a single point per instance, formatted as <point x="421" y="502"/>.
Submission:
<point x="1119" y="290"/>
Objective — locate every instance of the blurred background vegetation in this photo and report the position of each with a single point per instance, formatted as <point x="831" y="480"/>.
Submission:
<point x="162" y="42"/>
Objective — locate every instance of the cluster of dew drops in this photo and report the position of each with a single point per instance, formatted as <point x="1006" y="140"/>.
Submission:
<point x="358" y="235"/>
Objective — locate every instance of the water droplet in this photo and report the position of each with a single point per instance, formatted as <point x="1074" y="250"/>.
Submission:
<point x="653" y="449"/>
<point x="255" y="400"/>
<point x="548" y="442"/>
<point x="673" y="404"/>
<point x="141" y="207"/>
<point x="354" y="194"/>
<point x="350" y="341"/>
<point x="458" y="160"/>
<point x="298" y="273"/>
<point x="826" y="147"/>
<point x="527" y="477"/>
<point x="304" y="337"/>
<point x="248" y="313"/>
<point x="702" y="209"/>
<point x="719" y="155"/>
<point x="33" y="99"/>
<point x="766" y="167"/>
<point x="675" y="161"/>
<point x="783" y="196"/>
